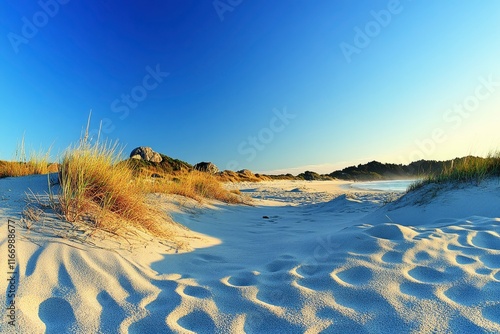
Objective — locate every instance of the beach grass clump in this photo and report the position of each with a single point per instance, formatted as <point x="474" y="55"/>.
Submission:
<point x="467" y="170"/>
<point x="97" y="189"/>
<point x="27" y="164"/>
<point x="194" y="184"/>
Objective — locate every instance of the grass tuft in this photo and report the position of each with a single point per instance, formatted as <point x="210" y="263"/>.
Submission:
<point x="194" y="184"/>
<point x="97" y="189"/>
<point x="24" y="164"/>
<point x="468" y="170"/>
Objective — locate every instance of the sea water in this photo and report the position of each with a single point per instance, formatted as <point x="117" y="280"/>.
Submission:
<point x="392" y="185"/>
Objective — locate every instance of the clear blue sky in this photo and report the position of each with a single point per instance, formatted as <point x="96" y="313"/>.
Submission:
<point x="254" y="84"/>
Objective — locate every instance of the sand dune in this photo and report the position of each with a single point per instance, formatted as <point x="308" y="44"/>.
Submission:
<point x="310" y="257"/>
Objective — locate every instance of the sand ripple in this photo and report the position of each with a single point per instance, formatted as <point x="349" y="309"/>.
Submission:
<point x="319" y="275"/>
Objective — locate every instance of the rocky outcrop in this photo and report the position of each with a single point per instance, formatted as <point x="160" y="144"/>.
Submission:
<point x="207" y="167"/>
<point x="246" y="173"/>
<point x="146" y="153"/>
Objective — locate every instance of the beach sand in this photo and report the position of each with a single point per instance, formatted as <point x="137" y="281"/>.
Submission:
<point x="306" y="257"/>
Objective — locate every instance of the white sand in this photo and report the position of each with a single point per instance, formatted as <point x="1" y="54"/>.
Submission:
<point x="321" y="261"/>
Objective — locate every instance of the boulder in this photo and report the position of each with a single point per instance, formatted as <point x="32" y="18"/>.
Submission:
<point x="146" y="153"/>
<point x="207" y="167"/>
<point x="246" y="173"/>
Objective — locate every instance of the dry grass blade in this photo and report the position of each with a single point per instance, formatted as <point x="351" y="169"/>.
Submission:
<point x="470" y="170"/>
<point x="196" y="185"/>
<point x="99" y="190"/>
<point x="35" y="163"/>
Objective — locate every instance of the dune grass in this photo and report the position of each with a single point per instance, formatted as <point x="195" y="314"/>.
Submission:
<point x="27" y="164"/>
<point x="469" y="170"/>
<point x="194" y="184"/>
<point x="96" y="189"/>
<point x="101" y="192"/>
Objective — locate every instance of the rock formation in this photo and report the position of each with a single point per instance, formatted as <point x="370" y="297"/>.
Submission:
<point x="207" y="167"/>
<point x="146" y="153"/>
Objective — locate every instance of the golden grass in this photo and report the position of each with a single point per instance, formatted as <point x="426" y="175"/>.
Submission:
<point x="193" y="184"/>
<point x="24" y="164"/>
<point x="469" y="170"/>
<point x="97" y="189"/>
<point x="101" y="192"/>
<point x="241" y="176"/>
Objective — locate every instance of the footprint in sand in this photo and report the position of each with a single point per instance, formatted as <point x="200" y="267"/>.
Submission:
<point x="356" y="275"/>
<point x="464" y="259"/>
<point x="112" y="314"/>
<point x="422" y="256"/>
<point x="285" y="263"/>
<point x="363" y="300"/>
<point x="427" y="275"/>
<point x="243" y="278"/>
<point x="198" y="322"/>
<point x="197" y="291"/>
<point x="314" y="269"/>
<point x="419" y="290"/>
<point x="491" y="261"/>
<point x="466" y="295"/>
<point x="492" y="313"/>
<point x="483" y="271"/>
<point x="58" y="316"/>
<point x="392" y="257"/>
<point x="317" y="283"/>
<point x="487" y="240"/>
<point x="364" y="246"/>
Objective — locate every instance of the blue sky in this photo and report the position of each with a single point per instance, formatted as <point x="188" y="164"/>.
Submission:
<point x="281" y="86"/>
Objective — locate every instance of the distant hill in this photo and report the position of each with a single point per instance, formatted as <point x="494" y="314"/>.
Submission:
<point x="310" y="176"/>
<point x="375" y="170"/>
<point x="371" y="171"/>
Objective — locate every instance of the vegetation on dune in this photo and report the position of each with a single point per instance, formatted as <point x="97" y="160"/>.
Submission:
<point x="97" y="189"/>
<point x="193" y="184"/>
<point x="167" y="165"/>
<point x="375" y="170"/>
<point x="311" y="176"/>
<point x="465" y="170"/>
<point x="27" y="164"/>
<point x="105" y="192"/>
<point x="243" y="175"/>
<point x="100" y="190"/>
